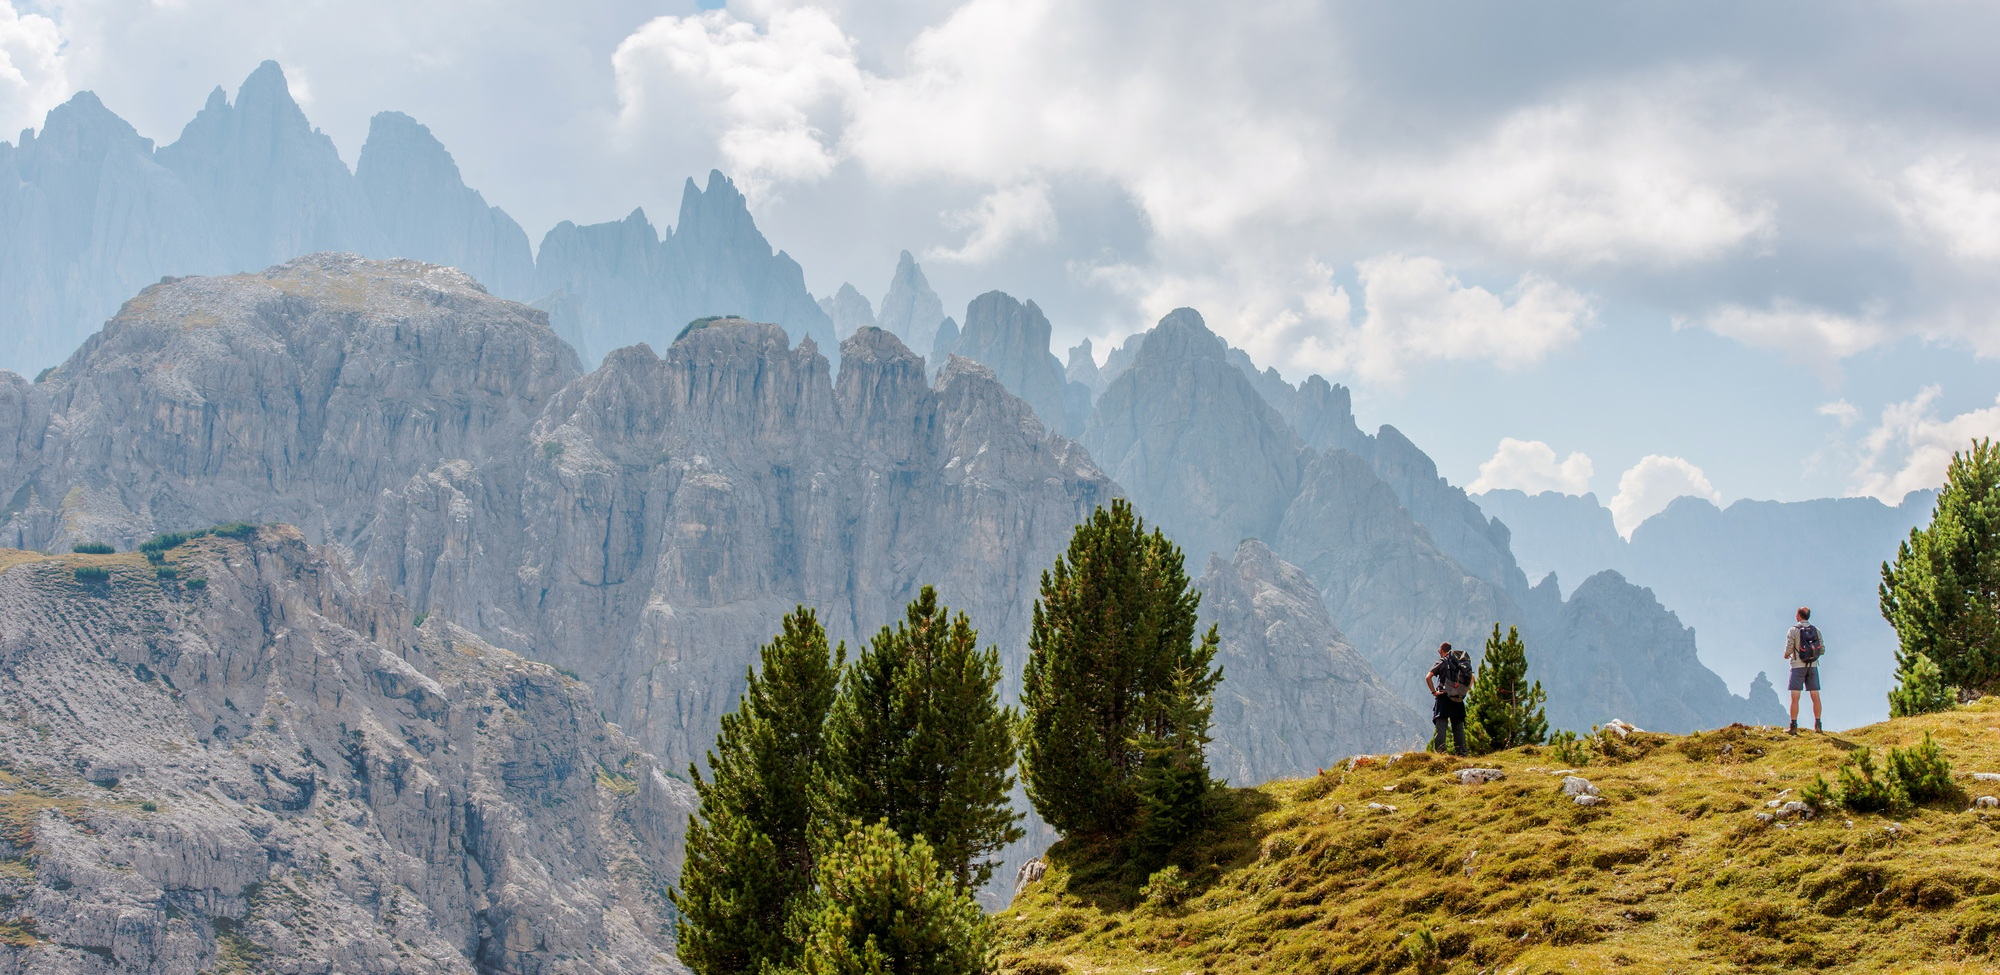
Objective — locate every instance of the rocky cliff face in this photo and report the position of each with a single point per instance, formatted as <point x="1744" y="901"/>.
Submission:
<point x="278" y="769"/>
<point x="644" y="525"/>
<point x="296" y="395"/>
<point x="1295" y="696"/>
<point x="910" y="308"/>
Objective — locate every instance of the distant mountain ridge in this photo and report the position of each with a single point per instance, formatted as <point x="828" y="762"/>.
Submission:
<point x="91" y="212"/>
<point x="1737" y="573"/>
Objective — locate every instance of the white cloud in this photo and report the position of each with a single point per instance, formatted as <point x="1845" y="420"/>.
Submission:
<point x="1626" y="175"/>
<point x="1531" y="466"/>
<point x="1911" y="446"/>
<point x="1841" y="410"/>
<point x="32" y="71"/>
<point x="774" y="92"/>
<point x="1650" y="485"/>
<point x="1813" y="336"/>
<point x="1004" y="217"/>
<point x="1419" y="311"/>
<point x="1957" y="202"/>
<point x="1416" y="312"/>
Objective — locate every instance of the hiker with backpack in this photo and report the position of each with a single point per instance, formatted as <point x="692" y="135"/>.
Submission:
<point x="1449" y="681"/>
<point x="1803" y="647"/>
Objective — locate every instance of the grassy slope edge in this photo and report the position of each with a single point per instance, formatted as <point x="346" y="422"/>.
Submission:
<point x="1674" y="873"/>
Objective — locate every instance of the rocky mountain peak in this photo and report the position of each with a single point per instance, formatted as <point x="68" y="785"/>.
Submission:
<point x="1202" y="453"/>
<point x="1012" y="338"/>
<point x="424" y="208"/>
<point x="849" y="310"/>
<point x="910" y="308"/>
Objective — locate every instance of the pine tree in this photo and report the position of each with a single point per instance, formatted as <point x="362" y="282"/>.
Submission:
<point x="1920" y="687"/>
<point x="1114" y="627"/>
<point x="1503" y="710"/>
<point x="1173" y="785"/>
<point x="749" y="853"/>
<point x="1942" y="594"/>
<point x="881" y="904"/>
<point x="917" y="739"/>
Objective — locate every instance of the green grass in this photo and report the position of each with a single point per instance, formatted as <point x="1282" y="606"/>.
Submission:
<point x="1672" y="874"/>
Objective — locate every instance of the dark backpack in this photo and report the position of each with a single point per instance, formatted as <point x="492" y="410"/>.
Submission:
<point x="1810" y="647"/>
<point x="1455" y="676"/>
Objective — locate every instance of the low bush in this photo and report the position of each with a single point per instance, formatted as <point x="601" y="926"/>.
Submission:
<point x="92" y="548"/>
<point x="167" y="572"/>
<point x="1570" y="748"/>
<point x="1865" y="788"/>
<point x="165" y="541"/>
<point x="1165" y="889"/>
<point x="197" y="583"/>
<point x="1922" y="771"/>
<point x="91" y="574"/>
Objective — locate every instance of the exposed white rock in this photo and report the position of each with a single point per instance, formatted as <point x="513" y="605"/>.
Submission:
<point x="1479" y="776"/>
<point x="1587" y="800"/>
<point x="1578" y="786"/>
<point x="1986" y="802"/>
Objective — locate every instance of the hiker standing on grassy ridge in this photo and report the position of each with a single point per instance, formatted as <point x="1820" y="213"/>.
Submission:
<point x="1449" y="680"/>
<point x="1803" y="648"/>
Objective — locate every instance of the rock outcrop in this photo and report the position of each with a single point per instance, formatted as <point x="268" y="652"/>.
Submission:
<point x="910" y="308"/>
<point x="1295" y="696"/>
<point x="259" y="763"/>
<point x="1012" y="339"/>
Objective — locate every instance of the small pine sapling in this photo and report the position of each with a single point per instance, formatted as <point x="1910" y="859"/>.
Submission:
<point x="1920" y="687"/>
<point x="1865" y="788"/>
<point x="1922" y="771"/>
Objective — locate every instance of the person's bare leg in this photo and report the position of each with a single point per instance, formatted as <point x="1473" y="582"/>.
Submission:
<point x="1795" y="703"/>
<point x="1815" y="697"/>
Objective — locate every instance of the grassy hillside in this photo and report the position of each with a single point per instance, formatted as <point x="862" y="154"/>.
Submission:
<point x="1672" y="873"/>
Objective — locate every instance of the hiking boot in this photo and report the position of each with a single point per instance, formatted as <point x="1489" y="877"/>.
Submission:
<point x="1816" y="726"/>
<point x="1793" y="730"/>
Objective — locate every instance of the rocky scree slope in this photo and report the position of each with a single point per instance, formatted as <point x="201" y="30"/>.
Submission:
<point x="261" y="764"/>
<point x="1688" y="862"/>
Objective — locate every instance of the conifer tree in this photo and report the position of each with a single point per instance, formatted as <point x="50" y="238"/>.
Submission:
<point x="1920" y="687"/>
<point x="749" y="854"/>
<point x="1504" y="710"/>
<point x="1942" y="594"/>
<point x="917" y="739"/>
<point x="881" y="904"/>
<point x="1173" y="784"/>
<point x="1113" y="630"/>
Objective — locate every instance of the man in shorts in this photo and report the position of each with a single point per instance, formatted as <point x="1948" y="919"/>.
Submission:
<point x="1803" y="648"/>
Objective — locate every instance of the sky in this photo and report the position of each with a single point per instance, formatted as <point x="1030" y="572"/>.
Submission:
<point x="1643" y="250"/>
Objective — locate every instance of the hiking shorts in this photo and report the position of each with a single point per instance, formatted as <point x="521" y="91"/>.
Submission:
<point x="1805" y="678"/>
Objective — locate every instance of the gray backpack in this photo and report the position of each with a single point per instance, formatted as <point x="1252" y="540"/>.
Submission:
<point x="1455" y="677"/>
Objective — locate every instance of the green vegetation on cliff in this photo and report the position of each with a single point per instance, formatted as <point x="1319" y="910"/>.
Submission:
<point x="1674" y="871"/>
